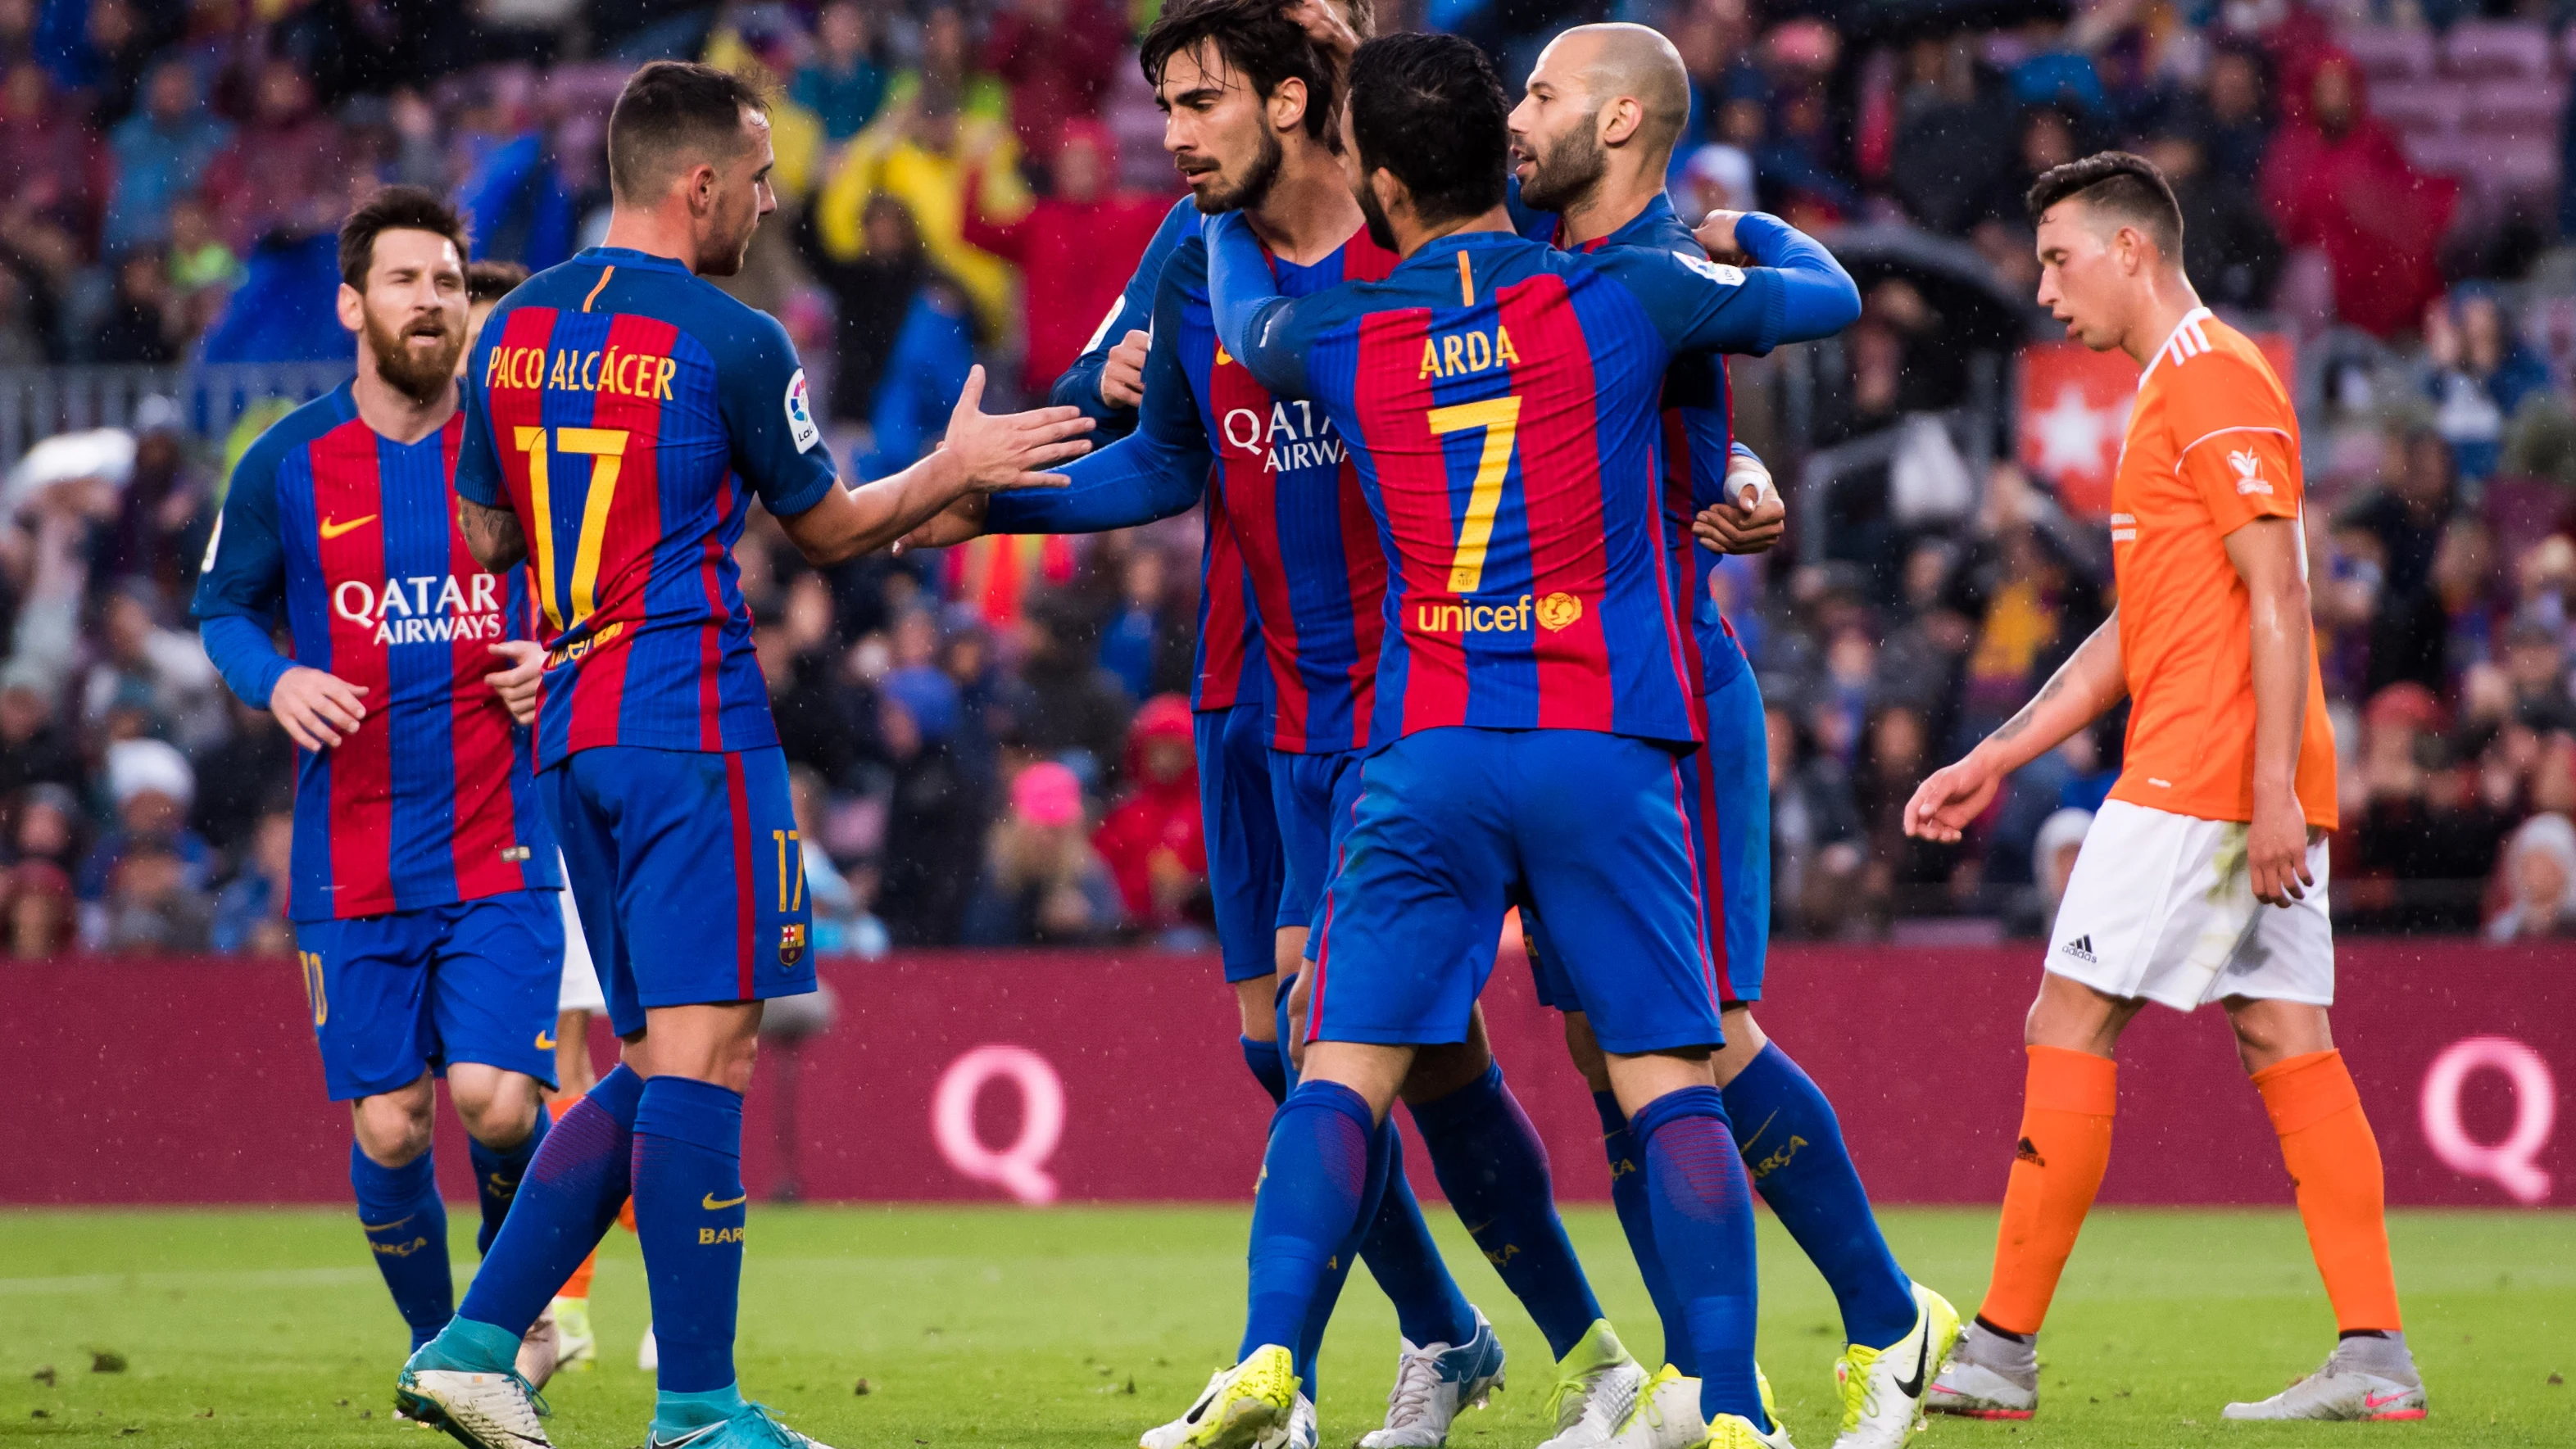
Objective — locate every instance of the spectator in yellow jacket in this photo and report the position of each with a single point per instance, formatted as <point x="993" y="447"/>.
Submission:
<point x="922" y="148"/>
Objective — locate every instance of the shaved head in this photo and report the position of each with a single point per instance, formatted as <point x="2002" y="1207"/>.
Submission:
<point x="1634" y="61"/>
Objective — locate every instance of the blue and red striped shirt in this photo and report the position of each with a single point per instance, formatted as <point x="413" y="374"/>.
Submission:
<point x="628" y="411"/>
<point x="1502" y="402"/>
<point x="432" y="799"/>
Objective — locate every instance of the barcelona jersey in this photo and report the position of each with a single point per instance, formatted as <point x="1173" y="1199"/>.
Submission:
<point x="628" y="412"/>
<point x="1502" y="402"/>
<point x="431" y="800"/>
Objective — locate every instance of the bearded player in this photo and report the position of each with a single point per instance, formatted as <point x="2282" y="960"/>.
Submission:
<point x="424" y="880"/>
<point x="622" y="414"/>
<point x="1294" y="559"/>
<point x="1591" y="139"/>
<point x="2203" y="878"/>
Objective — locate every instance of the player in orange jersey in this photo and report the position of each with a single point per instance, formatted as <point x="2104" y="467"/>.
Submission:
<point x="2204" y="876"/>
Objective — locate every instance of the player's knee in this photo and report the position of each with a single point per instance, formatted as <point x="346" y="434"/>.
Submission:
<point x="2271" y="1032"/>
<point x="393" y="1128"/>
<point x="1744" y="1042"/>
<point x="1256" y="1004"/>
<point x="1438" y="1071"/>
<point x="499" y="1109"/>
<point x="1585" y="1050"/>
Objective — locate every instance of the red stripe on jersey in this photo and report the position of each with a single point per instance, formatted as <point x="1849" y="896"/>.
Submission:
<point x="1678" y="563"/>
<point x="711" y="638"/>
<point x="349" y="500"/>
<point x="1699" y="887"/>
<point x="624" y="564"/>
<point x="513" y="408"/>
<point x="1395" y="404"/>
<point x="1712" y="871"/>
<point x="1249" y="491"/>
<point x="480" y="733"/>
<point x="1222" y="620"/>
<point x="1561" y="487"/>
<point x="1364" y="563"/>
<point x="743" y="883"/>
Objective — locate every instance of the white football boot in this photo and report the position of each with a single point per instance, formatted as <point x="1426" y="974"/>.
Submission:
<point x="1597" y="1383"/>
<point x="1883" y="1388"/>
<point x="1988" y="1376"/>
<point x="1434" y="1383"/>
<point x="1252" y="1405"/>
<point x="2364" y="1378"/>
<point x="484" y="1410"/>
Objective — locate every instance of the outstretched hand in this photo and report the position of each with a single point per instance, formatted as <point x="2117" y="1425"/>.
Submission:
<point x="1325" y="26"/>
<point x="958" y="522"/>
<point x="1012" y="450"/>
<point x="1954" y="796"/>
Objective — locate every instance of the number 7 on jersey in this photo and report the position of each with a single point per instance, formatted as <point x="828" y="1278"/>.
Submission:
<point x="607" y="448"/>
<point x="1500" y="417"/>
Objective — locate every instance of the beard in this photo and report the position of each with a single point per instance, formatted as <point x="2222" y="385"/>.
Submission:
<point x="1566" y="171"/>
<point x="1380" y="230"/>
<point x="1254" y="188"/>
<point x="418" y="376"/>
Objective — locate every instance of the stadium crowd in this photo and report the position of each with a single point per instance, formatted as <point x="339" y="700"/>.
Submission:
<point x="993" y="743"/>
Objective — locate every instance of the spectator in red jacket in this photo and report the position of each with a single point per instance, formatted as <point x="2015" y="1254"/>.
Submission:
<point x="1058" y="56"/>
<point x="1153" y="839"/>
<point x="1073" y="248"/>
<point x="2336" y="180"/>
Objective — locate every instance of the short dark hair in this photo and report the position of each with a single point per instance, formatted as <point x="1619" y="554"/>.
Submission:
<point x="1430" y="109"/>
<point x="490" y="281"/>
<point x="396" y="208"/>
<point x="2127" y="186"/>
<point x="1257" y="38"/>
<point x="671" y="109"/>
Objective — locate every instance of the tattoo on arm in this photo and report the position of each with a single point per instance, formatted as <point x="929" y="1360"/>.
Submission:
<point x="492" y="535"/>
<point x="2055" y="686"/>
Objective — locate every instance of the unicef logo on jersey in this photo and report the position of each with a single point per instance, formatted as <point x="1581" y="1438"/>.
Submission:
<point x="1295" y="436"/>
<point x="800" y="414"/>
<point x="422" y="609"/>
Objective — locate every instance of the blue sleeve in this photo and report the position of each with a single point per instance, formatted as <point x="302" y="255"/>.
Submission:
<point x="777" y="446"/>
<point x="1079" y="387"/>
<point x="478" y="457"/>
<point x="1156" y="471"/>
<point x="1704" y="306"/>
<point x="244" y="655"/>
<point x="1251" y="316"/>
<point x="244" y="578"/>
<point x="1817" y="297"/>
<point x="1538" y="226"/>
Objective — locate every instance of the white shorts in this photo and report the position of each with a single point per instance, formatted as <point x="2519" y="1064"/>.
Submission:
<point x="2162" y="906"/>
<point x="580" y="990"/>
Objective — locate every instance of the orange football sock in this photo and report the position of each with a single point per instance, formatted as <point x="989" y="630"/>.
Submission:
<point x="578" y="1285"/>
<point x="626" y="1215"/>
<point x="2343" y="1193"/>
<point x="2057" y="1167"/>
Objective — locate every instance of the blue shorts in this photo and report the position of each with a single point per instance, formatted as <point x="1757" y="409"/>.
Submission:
<point x="1242" y="836"/>
<point x="686" y="869"/>
<point x="1453" y="824"/>
<point x="1729" y="804"/>
<point x="397" y="995"/>
<point x="1313" y="795"/>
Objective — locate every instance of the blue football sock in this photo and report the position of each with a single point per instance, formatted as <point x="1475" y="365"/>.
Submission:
<point x="1794" y="1149"/>
<point x="571" y="1194"/>
<point x="1317" y="1178"/>
<point x="1704" y="1226"/>
<point x="1269" y="1067"/>
<point x="689" y="1212"/>
<point x="1494" y="1170"/>
<point x="1637" y="1220"/>
<point x="406" y="1226"/>
<point x="498" y="1171"/>
<point x="1405" y="1261"/>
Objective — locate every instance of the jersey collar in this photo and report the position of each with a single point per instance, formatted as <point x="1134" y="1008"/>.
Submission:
<point x="629" y="257"/>
<point x="2196" y="314"/>
<point x="1632" y="232"/>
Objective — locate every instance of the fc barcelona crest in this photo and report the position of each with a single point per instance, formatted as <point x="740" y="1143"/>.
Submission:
<point x="791" y="944"/>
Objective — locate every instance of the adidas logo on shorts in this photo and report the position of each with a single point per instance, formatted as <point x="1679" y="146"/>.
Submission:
<point x="2081" y="948"/>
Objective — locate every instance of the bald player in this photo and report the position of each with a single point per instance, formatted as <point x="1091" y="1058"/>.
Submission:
<point x="1591" y="142"/>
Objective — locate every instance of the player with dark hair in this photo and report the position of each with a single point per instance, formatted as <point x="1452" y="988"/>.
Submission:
<point x="1591" y="140"/>
<point x="2203" y="877"/>
<point x="622" y="413"/>
<point x="424" y="874"/>
<point x="1281" y="722"/>
<point x="1535" y="696"/>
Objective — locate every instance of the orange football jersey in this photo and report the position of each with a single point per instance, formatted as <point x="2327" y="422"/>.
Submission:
<point x="2213" y="444"/>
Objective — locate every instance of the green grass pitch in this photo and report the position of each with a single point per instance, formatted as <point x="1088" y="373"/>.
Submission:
<point x="1079" y="1327"/>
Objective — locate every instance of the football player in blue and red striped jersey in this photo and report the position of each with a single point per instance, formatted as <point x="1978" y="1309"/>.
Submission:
<point x="621" y="415"/>
<point x="424" y="873"/>
<point x="1590" y="139"/>
<point x="1536" y="696"/>
<point x="1249" y="100"/>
